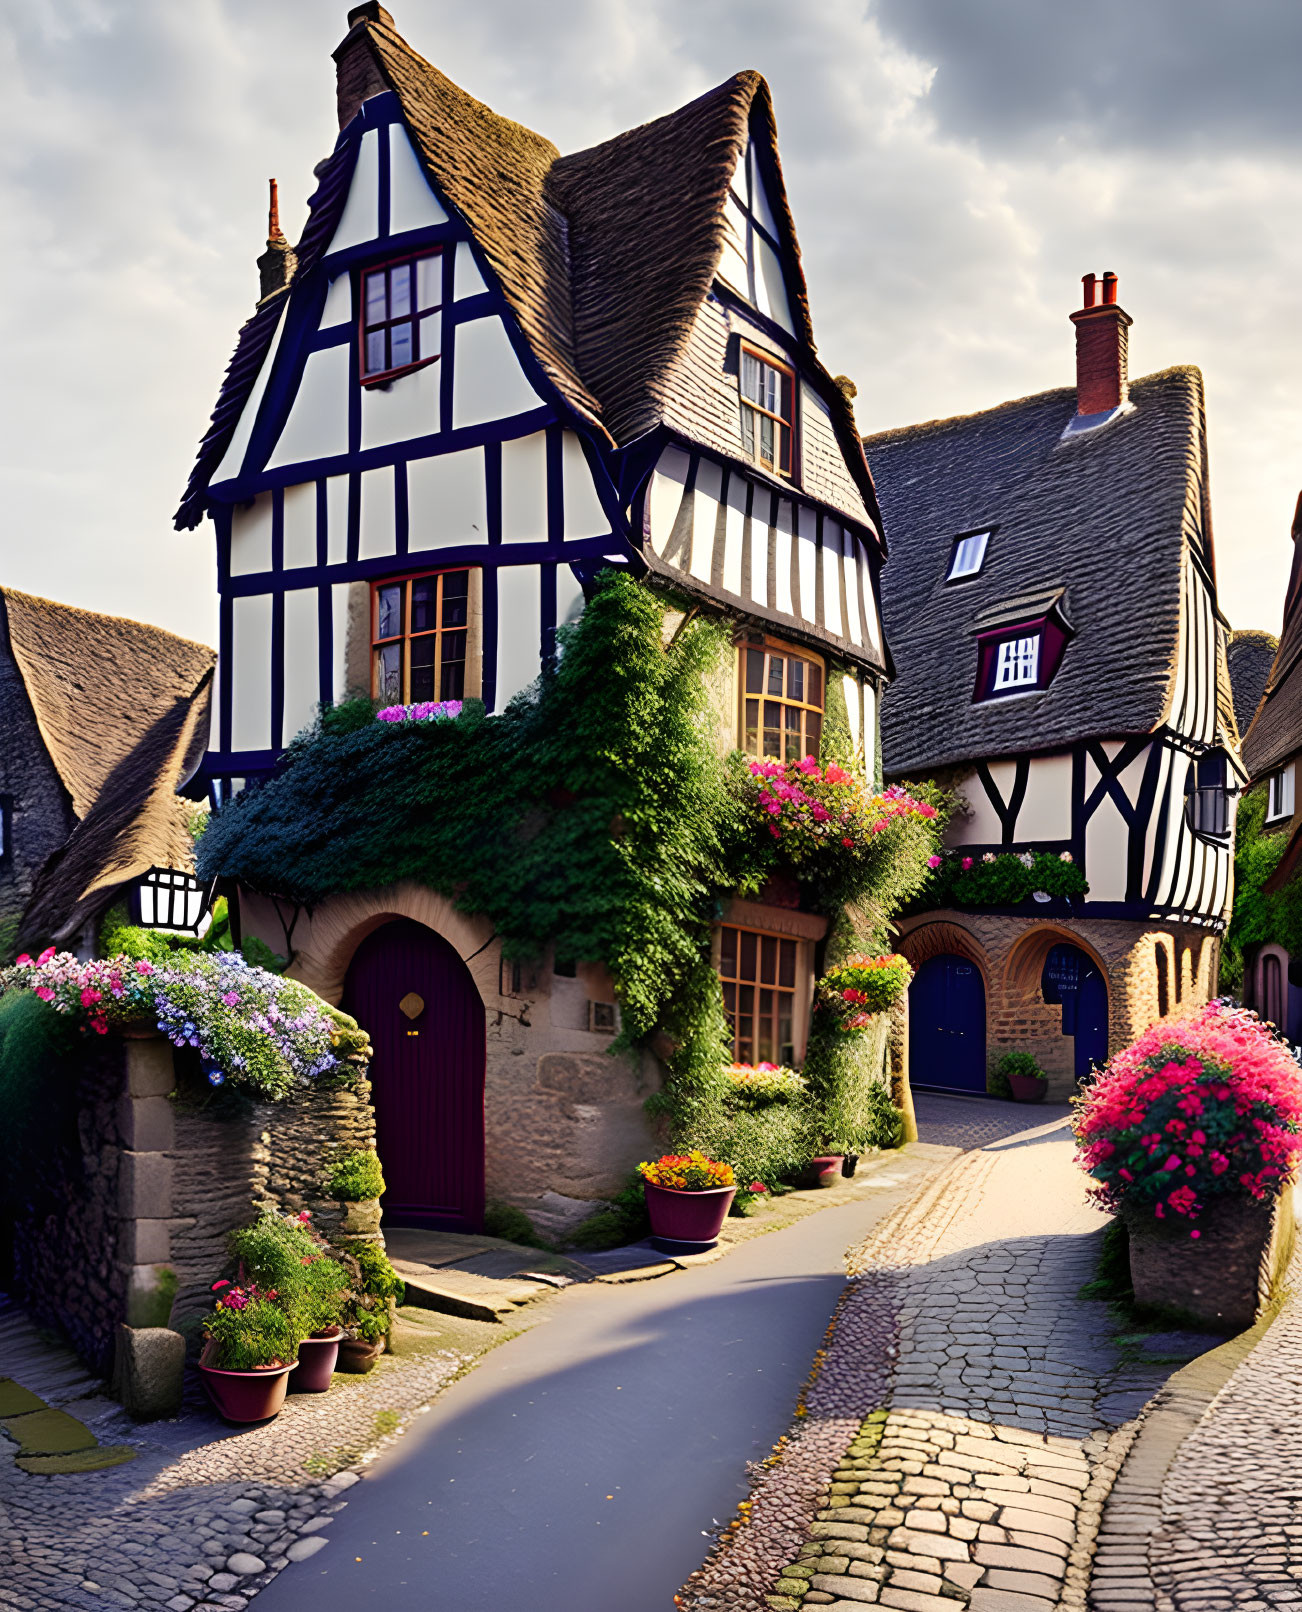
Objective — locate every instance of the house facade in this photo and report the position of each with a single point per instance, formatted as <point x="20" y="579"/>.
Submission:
<point x="91" y="788"/>
<point x="466" y="391"/>
<point x="1051" y="607"/>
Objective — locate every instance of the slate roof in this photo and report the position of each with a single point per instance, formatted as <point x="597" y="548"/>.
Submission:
<point x="1276" y="729"/>
<point x="1100" y="520"/>
<point x="1250" y="656"/>
<point x="123" y="711"/>
<point x="604" y="256"/>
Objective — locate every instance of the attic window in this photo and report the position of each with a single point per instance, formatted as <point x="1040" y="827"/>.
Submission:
<point x="172" y="899"/>
<point x="968" y="556"/>
<point x="1018" y="657"/>
<point x="1017" y="663"/>
<point x="399" y="320"/>
<point x="1279" y="801"/>
<point x="767" y="407"/>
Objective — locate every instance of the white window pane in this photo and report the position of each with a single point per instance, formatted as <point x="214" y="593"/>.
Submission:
<point x="750" y="377"/>
<point x="766" y="439"/>
<point x="1018" y="662"/>
<point x="747" y="429"/>
<point x="969" y="555"/>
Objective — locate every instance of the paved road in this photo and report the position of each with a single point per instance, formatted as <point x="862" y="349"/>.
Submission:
<point x="578" y="1466"/>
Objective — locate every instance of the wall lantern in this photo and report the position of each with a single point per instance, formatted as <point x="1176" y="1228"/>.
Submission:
<point x="170" y="898"/>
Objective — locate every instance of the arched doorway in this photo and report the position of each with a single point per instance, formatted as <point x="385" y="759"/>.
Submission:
<point x="410" y="991"/>
<point x="1073" y="978"/>
<point x="947" y="1024"/>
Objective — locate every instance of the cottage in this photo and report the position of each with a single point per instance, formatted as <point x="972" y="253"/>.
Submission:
<point x="1051" y="608"/>
<point x="484" y="375"/>
<point x="105" y="725"/>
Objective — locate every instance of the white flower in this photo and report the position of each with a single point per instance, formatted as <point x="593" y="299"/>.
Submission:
<point x="1026" y="859"/>
<point x="988" y="857"/>
<point x="1065" y="856"/>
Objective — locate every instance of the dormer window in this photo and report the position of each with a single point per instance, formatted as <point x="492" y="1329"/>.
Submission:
<point x="400" y="320"/>
<point x="1017" y="663"/>
<point x="767" y="410"/>
<point x="968" y="556"/>
<point x="1279" y="797"/>
<point x="1020" y="644"/>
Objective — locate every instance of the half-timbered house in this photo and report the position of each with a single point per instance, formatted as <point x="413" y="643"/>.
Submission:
<point x="485" y="372"/>
<point x="1051" y="607"/>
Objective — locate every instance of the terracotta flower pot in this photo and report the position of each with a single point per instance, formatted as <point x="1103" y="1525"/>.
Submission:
<point x="244" y="1396"/>
<point x="316" y="1363"/>
<point x="1027" y="1088"/>
<point x="686" y="1222"/>
<point x="823" y="1171"/>
<point x="357" y="1355"/>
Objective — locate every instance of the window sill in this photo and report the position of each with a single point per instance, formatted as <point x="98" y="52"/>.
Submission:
<point x="381" y="382"/>
<point x="774" y="920"/>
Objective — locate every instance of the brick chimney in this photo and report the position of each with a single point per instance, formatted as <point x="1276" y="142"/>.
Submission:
<point x="1101" y="344"/>
<point x="357" y="73"/>
<point x="277" y="264"/>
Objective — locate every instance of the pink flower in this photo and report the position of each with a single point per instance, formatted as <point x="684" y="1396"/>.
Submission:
<point x="23" y="961"/>
<point x="757" y="1186"/>
<point x="967" y="863"/>
<point x="304" y="1214"/>
<point x="45" y="993"/>
<point x="933" y="861"/>
<point x="143" y="967"/>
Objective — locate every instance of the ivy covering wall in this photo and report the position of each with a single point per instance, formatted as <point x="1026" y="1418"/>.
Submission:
<point x="1259" y="916"/>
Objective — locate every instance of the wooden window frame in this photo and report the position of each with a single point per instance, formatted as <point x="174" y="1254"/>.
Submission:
<point x="414" y="318"/>
<point x="1279" y="782"/>
<point x="749" y="349"/>
<point x="406" y="636"/>
<point x="797" y="994"/>
<point x="951" y="575"/>
<point x="765" y="645"/>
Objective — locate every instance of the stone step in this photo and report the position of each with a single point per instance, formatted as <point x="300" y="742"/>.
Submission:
<point x="478" y="1298"/>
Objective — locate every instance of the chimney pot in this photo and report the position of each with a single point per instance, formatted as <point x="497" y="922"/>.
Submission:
<point x="370" y="12"/>
<point x="277" y="264"/>
<point x="1102" y="345"/>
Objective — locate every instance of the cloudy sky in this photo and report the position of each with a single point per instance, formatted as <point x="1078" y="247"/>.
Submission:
<point x="954" y="167"/>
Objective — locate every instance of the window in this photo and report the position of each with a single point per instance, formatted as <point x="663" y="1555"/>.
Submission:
<point x="781" y="704"/>
<point x="767" y="393"/>
<point x="172" y="899"/>
<point x="1279" y="802"/>
<point x="1163" y="980"/>
<point x="419" y="633"/>
<point x="1017" y="664"/>
<point x="400" y="329"/>
<point x="969" y="555"/>
<point x="1208" y="806"/>
<point x="758" y="972"/>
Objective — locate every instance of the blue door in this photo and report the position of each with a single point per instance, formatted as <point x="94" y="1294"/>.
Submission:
<point x="1072" y="977"/>
<point x="947" y="1025"/>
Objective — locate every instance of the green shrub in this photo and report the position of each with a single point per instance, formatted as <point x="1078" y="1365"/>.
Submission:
<point x="379" y="1279"/>
<point x="624" y="1221"/>
<point x="283" y="1256"/>
<point x="38" y="1095"/>
<point x="355" y="1177"/>
<point x="997" y="1081"/>
<point x="1021" y="1064"/>
<point x="512" y="1225"/>
<point x="260" y="1334"/>
<point x="761" y="1144"/>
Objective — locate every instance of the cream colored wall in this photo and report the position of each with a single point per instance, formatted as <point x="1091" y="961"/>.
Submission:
<point x="1046" y="808"/>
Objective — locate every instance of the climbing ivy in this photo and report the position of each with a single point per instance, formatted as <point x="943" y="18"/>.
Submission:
<point x="1259" y="916"/>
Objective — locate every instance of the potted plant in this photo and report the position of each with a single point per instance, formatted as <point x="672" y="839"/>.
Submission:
<point x="1026" y="1081"/>
<point x="284" y="1254"/>
<point x="1191" y="1135"/>
<point x="368" y="1314"/>
<point x="687" y="1198"/>
<point x="248" y="1352"/>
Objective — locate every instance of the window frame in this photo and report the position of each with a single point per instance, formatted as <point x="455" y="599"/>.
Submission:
<point x="768" y="646"/>
<point x="1053" y="640"/>
<point x="986" y="532"/>
<point x="417" y="315"/>
<point x="405" y="636"/>
<point x="751" y="349"/>
<point x="786" y="1053"/>
<point x="1200" y="795"/>
<point x="1283" y="777"/>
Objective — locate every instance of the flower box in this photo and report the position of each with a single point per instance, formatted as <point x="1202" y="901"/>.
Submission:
<point x="1221" y="1280"/>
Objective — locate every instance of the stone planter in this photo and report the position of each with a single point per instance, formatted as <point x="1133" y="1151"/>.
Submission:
<point x="686" y="1222"/>
<point x="1222" y="1279"/>
<point x="356" y="1355"/>
<point x="316" y="1363"/>
<point x="244" y="1396"/>
<point x="1027" y="1088"/>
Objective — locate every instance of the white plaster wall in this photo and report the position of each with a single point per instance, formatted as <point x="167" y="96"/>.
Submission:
<point x="301" y="667"/>
<point x="467" y="281"/>
<point x="705" y="518"/>
<point x="233" y="458"/>
<point x="665" y="496"/>
<point x="251" y="536"/>
<point x="299" y="526"/>
<point x="524" y="489"/>
<point x="406" y="408"/>
<point x="569" y="597"/>
<point x="584" y="516"/>
<point x="782" y="560"/>
<point x="338" y="308"/>
<point x="487" y="381"/>
<point x="412" y="204"/>
<point x="317" y="426"/>
<point x="807" y="562"/>
<point x="978" y="823"/>
<point x="336" y="519"/>
<point x="360" y="220"/>
<point x="339" y="638"/>
<point x="734" y="535"/>
<point x="832" y="577"/>
<point x="1046" y="807"/>
<point x="519" y="625"/>
<point x="446" y="500"/>
<point x="251" y="672"/>
<point x="1107" y="841"/>
<point x="376" y="536"/>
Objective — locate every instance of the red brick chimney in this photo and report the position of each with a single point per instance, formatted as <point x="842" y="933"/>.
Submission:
<point x="357" y="73"/>
<point x="1101" y="343"/>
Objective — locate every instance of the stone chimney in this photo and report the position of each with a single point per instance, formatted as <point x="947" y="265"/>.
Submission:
<point x="277" y="264"/>
<point x="357" y="73"/>
<point x="1101" y="348"/>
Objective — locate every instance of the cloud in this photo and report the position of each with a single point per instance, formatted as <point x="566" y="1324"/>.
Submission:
<point x="954" y="169"/>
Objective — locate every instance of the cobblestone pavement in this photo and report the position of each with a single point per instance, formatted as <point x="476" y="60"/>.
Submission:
<point x="1212" y="1517"/>
<point x="969" y="1122"/>
<point x="206" y="1515"/>
<point x="966" y="1418"/>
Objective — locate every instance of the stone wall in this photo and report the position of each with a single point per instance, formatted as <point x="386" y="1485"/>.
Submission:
<point x="1010" y="952"/>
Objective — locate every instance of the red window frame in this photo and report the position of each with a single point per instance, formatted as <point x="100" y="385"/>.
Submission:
<point x="413" y="317"/>
<point x="436" y="636"/>
<point x="783" y="464"/>
<point x="1053" y="641"/>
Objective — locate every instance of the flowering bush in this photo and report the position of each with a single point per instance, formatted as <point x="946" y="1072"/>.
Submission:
<point x="853" y="991"/>
<point x="422" y="711"/>
<point x="758" y="1085"/>
<point x="1203" y="1109"/>
<point x="687" y="1172"/>
<point x="1000" y="879"/>
<point x="810" y="808"/>
<point x="248" y="1329"/>
<point x="292" y="1264"/>
<point x="249" y="1026"/>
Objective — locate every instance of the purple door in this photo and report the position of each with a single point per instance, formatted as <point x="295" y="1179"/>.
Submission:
<point x="414" y="996"/>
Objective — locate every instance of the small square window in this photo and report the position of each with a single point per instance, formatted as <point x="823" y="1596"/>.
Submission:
<point x="399" y="329"/>
<point x="968" y="556"/>
<point x="1017" y="664"/>
<point x="1279" y="803"/>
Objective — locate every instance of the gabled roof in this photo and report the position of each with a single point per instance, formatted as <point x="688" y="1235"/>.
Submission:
<point x="1099" y="521"/>
<point x="604" y="256"/>
<point x="1276" y="729"/>
<point x="122" y="709"/>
